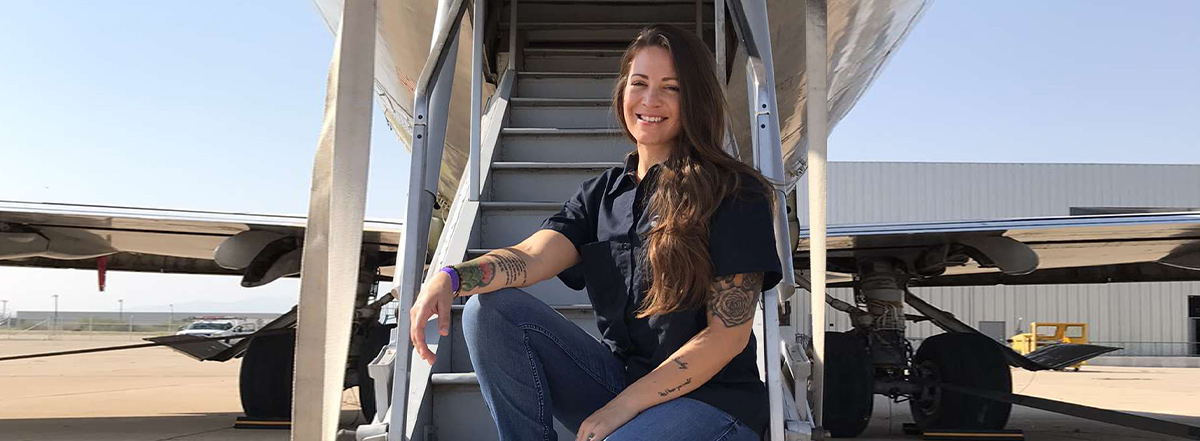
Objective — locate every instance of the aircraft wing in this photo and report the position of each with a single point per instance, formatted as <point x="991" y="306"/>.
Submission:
<point x="1045" y="250"/>
<point x="259" y="247"/>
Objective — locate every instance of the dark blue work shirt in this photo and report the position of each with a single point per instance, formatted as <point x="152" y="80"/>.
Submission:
<point x="606" y="220"/>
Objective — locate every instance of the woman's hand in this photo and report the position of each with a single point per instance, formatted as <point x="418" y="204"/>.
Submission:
<point x="434" y="299"/>
<point x="605" y="421"/>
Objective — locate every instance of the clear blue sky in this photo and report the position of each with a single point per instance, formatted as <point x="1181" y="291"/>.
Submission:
<point x="217" y="106"/>
<point x="1036" y="81"/>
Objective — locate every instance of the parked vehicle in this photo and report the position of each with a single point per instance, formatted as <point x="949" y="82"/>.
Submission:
<point x="217" y="328"/>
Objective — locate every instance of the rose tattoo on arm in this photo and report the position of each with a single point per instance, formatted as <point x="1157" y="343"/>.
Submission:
<point x="733" y="298"/>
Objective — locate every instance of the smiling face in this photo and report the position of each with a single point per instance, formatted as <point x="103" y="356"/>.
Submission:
<point x="652" y="99"/>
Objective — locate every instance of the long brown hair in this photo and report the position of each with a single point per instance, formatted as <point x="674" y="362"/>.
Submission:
<point x="695" y="178"/>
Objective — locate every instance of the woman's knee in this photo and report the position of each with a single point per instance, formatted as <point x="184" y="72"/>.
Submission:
<point x="483" y="313"/>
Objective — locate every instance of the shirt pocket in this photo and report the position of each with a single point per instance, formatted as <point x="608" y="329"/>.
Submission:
<point x="600" y="272"/>
<point x="604" y="281"/>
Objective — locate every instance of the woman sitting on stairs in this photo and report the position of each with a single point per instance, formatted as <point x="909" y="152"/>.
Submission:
<point x="674" y="249"/>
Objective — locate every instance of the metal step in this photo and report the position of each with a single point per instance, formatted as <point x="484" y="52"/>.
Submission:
<point x="542" y="165"/>
<point x="566" y="84"/>
<point x="597" y="25"/>
<point x="505" y="224"/>
<point x="577" y="113"/>
<point x="581" y="315"/>
<point x="573" y="60"/>
<point x="459" y="412"/>
<point x="541" y="181"/>
<point x="455" y="379"/>
<point x="541" y="11"/>
<point x="563" y="145"/>
<point x="506" y="3"/>
<point x="590" y="32"/>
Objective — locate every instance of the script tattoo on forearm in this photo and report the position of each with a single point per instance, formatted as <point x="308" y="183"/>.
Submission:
<point x="482" y="271"/>
<point x="682" y="365"/>
<point x="733" y="300"/>
<point x="511" y="265"/>
<point x="669" y="391"/>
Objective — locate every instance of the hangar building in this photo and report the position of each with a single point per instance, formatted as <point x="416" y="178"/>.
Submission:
<point x="1161" y="318"/>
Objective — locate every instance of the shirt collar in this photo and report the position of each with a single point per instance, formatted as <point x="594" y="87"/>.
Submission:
<point x="629" y="172"/>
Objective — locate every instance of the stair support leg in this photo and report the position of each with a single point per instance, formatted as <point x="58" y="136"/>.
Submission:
<point x="816" y="123"/>
<point x="333" y="238"/>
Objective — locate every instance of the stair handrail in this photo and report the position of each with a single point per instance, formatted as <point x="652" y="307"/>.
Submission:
<point x="436" y="60"/>
<point x="422" y="190"/>
<point x="480" y="16"/>
<point x="768" y="158"/>
<point x="768" y="149"/>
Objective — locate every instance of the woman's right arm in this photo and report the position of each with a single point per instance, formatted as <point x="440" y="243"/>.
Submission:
<point x="541" y="256"/>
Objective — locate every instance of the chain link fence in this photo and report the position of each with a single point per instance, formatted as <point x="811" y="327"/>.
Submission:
<point x="49" y="329"/>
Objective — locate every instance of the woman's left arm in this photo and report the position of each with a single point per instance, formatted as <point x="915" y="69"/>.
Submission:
<point x="731" y="303"/>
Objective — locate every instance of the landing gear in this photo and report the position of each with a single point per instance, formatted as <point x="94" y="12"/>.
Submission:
<point x="849" y="384"/>
<point x="266" y="377"/>
<point x="964" y="359"/>
<point x="265" y="382"/>
<point x="877" y="358"/>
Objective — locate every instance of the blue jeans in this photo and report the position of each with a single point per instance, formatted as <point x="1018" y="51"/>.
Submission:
<point x="534" y="365"/>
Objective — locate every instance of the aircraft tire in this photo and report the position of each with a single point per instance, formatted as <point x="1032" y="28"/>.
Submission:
<point x="966" y="359"/>
<point x="377" y="338"/>
<point x="265" y="381"/>
<point x="849" y="385"/>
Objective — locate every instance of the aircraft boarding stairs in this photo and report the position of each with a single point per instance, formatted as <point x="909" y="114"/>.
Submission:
<point x="559" y="133"/>
<point x="551" y="128"/>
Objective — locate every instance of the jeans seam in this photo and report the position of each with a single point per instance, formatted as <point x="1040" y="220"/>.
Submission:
<point x="726" y="432"/>
<point x="537" y="383"/>
<point x="595" y="376"/>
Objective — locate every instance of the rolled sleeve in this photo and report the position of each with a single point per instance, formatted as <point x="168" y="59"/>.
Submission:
<point x="574" y="221"/>
<point x="742" y="236"/>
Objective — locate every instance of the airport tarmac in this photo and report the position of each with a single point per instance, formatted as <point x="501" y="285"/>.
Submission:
<point x="155" y="394"/>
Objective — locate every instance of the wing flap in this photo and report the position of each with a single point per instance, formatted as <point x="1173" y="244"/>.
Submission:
<point x="1062" y="355"/>
<point x="199" y="348"/>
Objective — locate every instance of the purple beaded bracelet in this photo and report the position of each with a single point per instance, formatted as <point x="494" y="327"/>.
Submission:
<point x="454" y="282"/>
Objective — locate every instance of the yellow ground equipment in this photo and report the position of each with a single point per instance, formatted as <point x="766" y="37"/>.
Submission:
<point x="1049" y="334"/>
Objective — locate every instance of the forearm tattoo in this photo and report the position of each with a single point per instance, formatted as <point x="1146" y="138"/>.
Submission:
<point x="669" y="391"/>
<point x="680" y="363"/>
<point x="733" y="300"/>
<point x="483" y="271"/>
